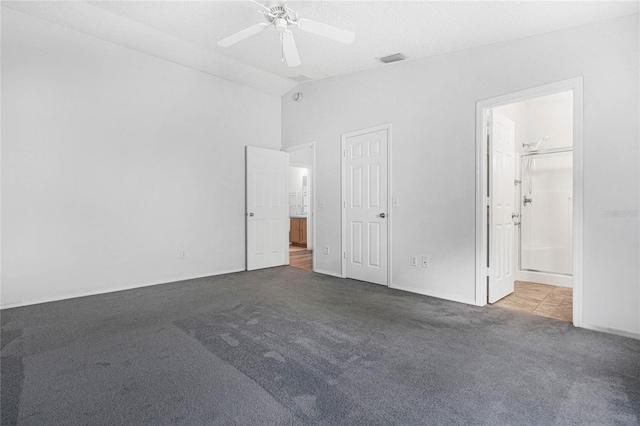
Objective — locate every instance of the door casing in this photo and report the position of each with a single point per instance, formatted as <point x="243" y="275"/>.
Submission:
<point x="576" y="85"/>
<point x="343" y="181"/>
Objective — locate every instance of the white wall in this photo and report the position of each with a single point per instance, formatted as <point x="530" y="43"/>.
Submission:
<point x="534" y="119"/>
<point x="551" y="116"/>
<point x="113" y="161"/>
<point x="431" y="105"/>
<point x="302" y="156"/>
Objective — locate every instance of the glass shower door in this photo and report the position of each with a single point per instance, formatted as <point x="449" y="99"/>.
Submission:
<point x="546" y="208"/>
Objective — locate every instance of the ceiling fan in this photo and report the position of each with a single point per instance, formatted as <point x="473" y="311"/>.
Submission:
<point x="279" y="16"/>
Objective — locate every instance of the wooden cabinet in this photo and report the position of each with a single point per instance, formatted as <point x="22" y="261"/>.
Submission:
<point x="303" y="232"/>
<point x="298" y="231"/>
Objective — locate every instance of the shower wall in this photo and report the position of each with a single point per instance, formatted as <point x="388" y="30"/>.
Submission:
<point x="547" y="222"/>
<point x="544" y="241"/>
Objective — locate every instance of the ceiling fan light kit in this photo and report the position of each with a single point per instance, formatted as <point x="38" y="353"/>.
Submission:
<point x="281" y="17"/>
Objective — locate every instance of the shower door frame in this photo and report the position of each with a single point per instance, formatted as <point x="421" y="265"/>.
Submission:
<point x="519" y="212"/>
<point x="482" y="185"/>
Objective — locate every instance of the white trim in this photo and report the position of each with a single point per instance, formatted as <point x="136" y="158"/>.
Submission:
<point x="299" y="165"/>
<point x="312" y="198"/>
<point x="544" y="278"/>
<point x="389" y="209"/>
<point x="324" y="272"/>
<point x="343" y="248"/>
<point x="578" y="201"/>
<point x="287" y="253"/>
<point x="625" y="333"/>
<point x="414" y="290"/>
<point x="114" y="290"/>
<point x="343" y="215"/>
<point x="576" y="85"/>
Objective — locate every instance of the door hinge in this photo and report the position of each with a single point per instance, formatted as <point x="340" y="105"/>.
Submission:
<point x="488" y="201"/>
<point x="488" y="271"/>
<point x="344" y="153"/>
<point x="344" y="254"/>
<point x="344" y="204"/>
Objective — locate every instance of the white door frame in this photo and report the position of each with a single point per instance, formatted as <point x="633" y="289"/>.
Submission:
<point x="576" y="85"/>
<point x="343" y="200"/>
<point x="312" y="203"/>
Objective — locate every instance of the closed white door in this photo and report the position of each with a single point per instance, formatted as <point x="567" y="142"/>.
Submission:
<point x="267" y="208"/>
<point x="365" y="209"/>
<point x="502" y="195"/>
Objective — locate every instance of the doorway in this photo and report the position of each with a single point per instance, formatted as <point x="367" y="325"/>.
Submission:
<point x="529" y="251"/>
<point x="301" y="193"/>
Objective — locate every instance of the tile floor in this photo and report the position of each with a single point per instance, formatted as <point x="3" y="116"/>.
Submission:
<point x="540" y="299"/>
<point x="300" y="257"/>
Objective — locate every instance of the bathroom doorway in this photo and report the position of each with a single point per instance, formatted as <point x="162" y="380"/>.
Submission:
<point x="531" y="219"/>
<point x="300" y="189"/>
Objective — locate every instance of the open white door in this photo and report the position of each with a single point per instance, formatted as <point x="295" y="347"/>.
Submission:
<point x="501" y="227"/>
<point x="267" y="208"/>
<point x="365" y="205"/>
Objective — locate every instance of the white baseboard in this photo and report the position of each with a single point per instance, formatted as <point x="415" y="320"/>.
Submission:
<point x="410" y="289"/>
<point x="545" y="278"/>
<point x="112" y="290"/>
<point x="624" y="333"/>
<point x="322" y="271"/>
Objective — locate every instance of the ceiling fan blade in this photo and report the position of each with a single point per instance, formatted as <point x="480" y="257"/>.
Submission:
<point x="261" y="5"/>
<point x="289" y="50"/>
<point x="325" y="30"/>
<point x="241" y="35"/>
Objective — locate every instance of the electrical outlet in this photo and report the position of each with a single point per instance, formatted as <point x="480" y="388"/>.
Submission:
<point x="321" y="203"/>
<point x="414" y="260"/>
<point x="326" y="249"/>
<point x="183" y="253"/>
<point x="394" y="202"/>
<point x="425" y="261"/>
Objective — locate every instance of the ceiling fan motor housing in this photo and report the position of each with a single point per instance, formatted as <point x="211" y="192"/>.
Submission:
<point x="280" y="12"/>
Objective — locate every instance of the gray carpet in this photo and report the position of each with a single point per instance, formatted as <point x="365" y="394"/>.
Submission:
<point x="287" y="346"/>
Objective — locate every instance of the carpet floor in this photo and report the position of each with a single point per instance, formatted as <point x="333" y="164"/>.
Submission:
<point x="287" y="346"/>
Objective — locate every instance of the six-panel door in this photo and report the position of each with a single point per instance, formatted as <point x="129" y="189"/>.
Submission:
<point x="366" y="206"/>
<point x="267" y="209"/>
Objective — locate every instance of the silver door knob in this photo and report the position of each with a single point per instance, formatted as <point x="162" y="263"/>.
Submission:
<point x="250" y="214"/>
<point x="382" y="215"/>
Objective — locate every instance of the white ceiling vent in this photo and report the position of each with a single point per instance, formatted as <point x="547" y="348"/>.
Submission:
<point x="300" y="78"/>
<point x="393" y="58"/>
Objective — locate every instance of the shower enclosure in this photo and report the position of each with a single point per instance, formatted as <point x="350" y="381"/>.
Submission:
<point x="546" y="216"/>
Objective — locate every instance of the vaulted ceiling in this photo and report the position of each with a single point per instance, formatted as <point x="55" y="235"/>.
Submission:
<point x="186" y="32"/>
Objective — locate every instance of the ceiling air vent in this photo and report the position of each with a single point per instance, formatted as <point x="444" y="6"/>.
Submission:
<point x="300" y="78"/>
<point x="393" y="58"/>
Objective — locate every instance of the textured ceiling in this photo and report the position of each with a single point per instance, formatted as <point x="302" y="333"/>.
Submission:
<point x="186" y="32"/>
